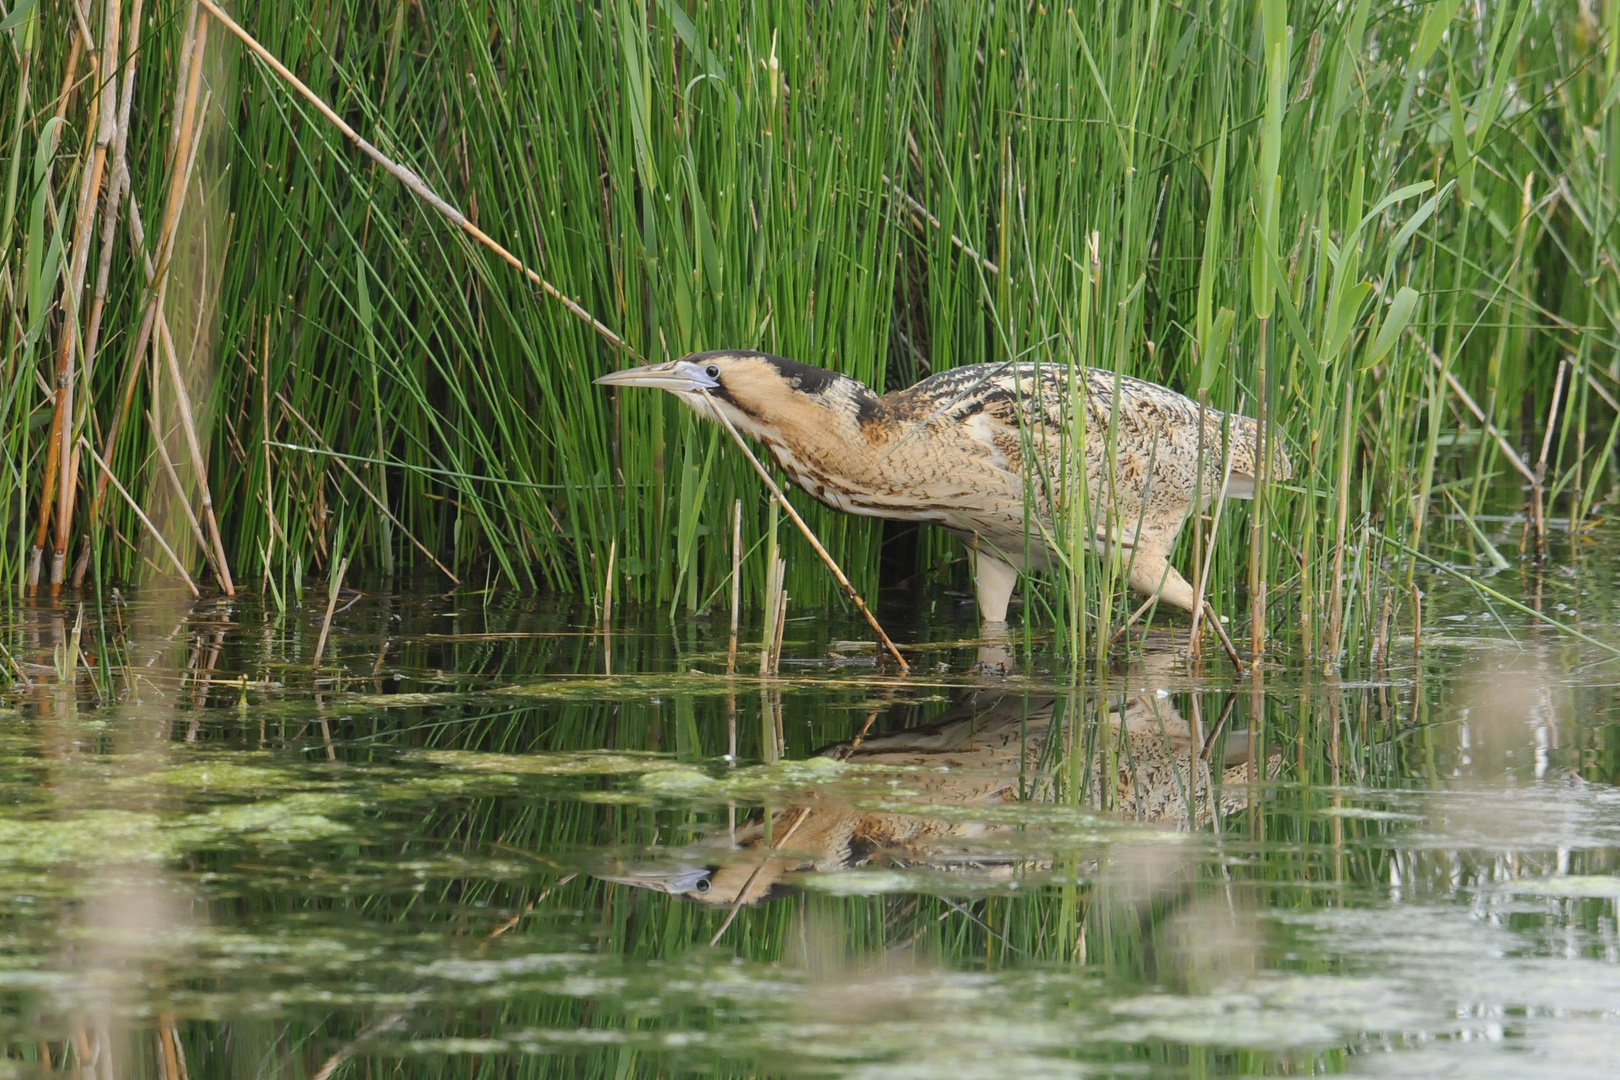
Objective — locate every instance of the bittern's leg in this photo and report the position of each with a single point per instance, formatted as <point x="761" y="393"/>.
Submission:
<point x="1152" y="574"/>
<point x="995" y="650"/>
<point x="993" y="582"/>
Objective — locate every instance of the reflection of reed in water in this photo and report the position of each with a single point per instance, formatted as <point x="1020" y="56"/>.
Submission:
<point x="990" y="750"/>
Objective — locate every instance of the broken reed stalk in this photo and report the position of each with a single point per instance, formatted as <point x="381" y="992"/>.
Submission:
<point x="333" y="589"/>
<point x="742" y="896"/>
<point x="607" y="611"/>
<point x="1538" y="512"/>
<point x="412" y="181"/>
<point x="781" y="624"/>
<point x="923" y="212"/>
<point x="736" y="583"/>
<point x="781" y="500"/>
<point x="365" y="489"/>
<point x="141" y="514"/>
<point x="173" y="477"/>
<point x="773" y="602"/>
<point x="1200" y="603"/>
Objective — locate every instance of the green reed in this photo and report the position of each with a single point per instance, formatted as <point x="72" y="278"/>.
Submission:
<point x="1341" y="217"/>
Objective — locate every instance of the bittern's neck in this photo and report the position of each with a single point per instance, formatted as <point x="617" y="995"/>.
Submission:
<point x="830" y="442"/>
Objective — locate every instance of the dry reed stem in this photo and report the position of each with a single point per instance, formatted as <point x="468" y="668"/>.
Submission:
<point x="316" y="435"/>
<point x="922" y="211"/>
<point x="1538" y="513"/>
<point x="781" y="625"/>
<point x="187" y="136"/>
<point x="118" y="183"/>
<point x="1200" y="602"/>
<point x="22" y="676"/>
<point x="332" y="591"/>
<point x="530" y="906"/>
<point x="150" y="316"/>
<point x="65" y="426"/>
<point x="832" y="565"/>
<point x="1479" y="414"/>
<point x="53" y="446"/>
<point x="773" y="597"/>
<point x="742" y="894"/>
<point x="177" y="193"/>
<point x="84" y="1059"/>
<point x="1417" y="622"/>
<point x="169" y="471"/>
<point x="410" y="179"/>
<point x="607" y="611"/>
<point x="736" y="583"/>
<point x="83" y="21"/>
<point x="136" y="507"/>
<point x="332" y="1064"/>
<point x="181" y="78"/>
<point x="170" y="1045"/>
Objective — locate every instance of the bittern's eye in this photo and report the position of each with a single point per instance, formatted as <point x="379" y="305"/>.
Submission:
<point x="701" y="885"/>
<point x="712" y="371"/>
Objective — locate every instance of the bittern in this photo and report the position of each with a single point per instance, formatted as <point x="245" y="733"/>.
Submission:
<point x="981" y="754"/>
<point x="988" y="451"/>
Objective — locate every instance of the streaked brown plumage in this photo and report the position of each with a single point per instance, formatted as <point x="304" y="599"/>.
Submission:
<point x="952" y="450"/>
<point x="985" y="754"/>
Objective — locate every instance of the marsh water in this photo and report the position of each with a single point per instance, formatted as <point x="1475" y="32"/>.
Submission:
<point x="480" y="838"/>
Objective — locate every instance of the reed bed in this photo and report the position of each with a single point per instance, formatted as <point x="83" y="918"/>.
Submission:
<point x="1386" y="228"/>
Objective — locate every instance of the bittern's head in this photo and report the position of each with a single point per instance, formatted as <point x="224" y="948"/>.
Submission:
<point x="716" y="886"/>
<point x="764" y="396"/>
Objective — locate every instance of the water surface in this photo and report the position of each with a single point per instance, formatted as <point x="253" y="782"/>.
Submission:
<point x="459" y="848"/>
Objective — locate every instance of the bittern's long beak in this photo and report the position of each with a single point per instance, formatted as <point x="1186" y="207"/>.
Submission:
<point x="679" y="880"/>
<point x="677" y="376"/>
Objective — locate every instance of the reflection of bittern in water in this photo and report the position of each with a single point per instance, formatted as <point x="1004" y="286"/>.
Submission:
<point x="988" y="751"/>
<point x="952" y="450"/>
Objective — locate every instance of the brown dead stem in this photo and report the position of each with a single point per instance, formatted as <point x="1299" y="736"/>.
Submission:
<point x="47" y="493"/>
